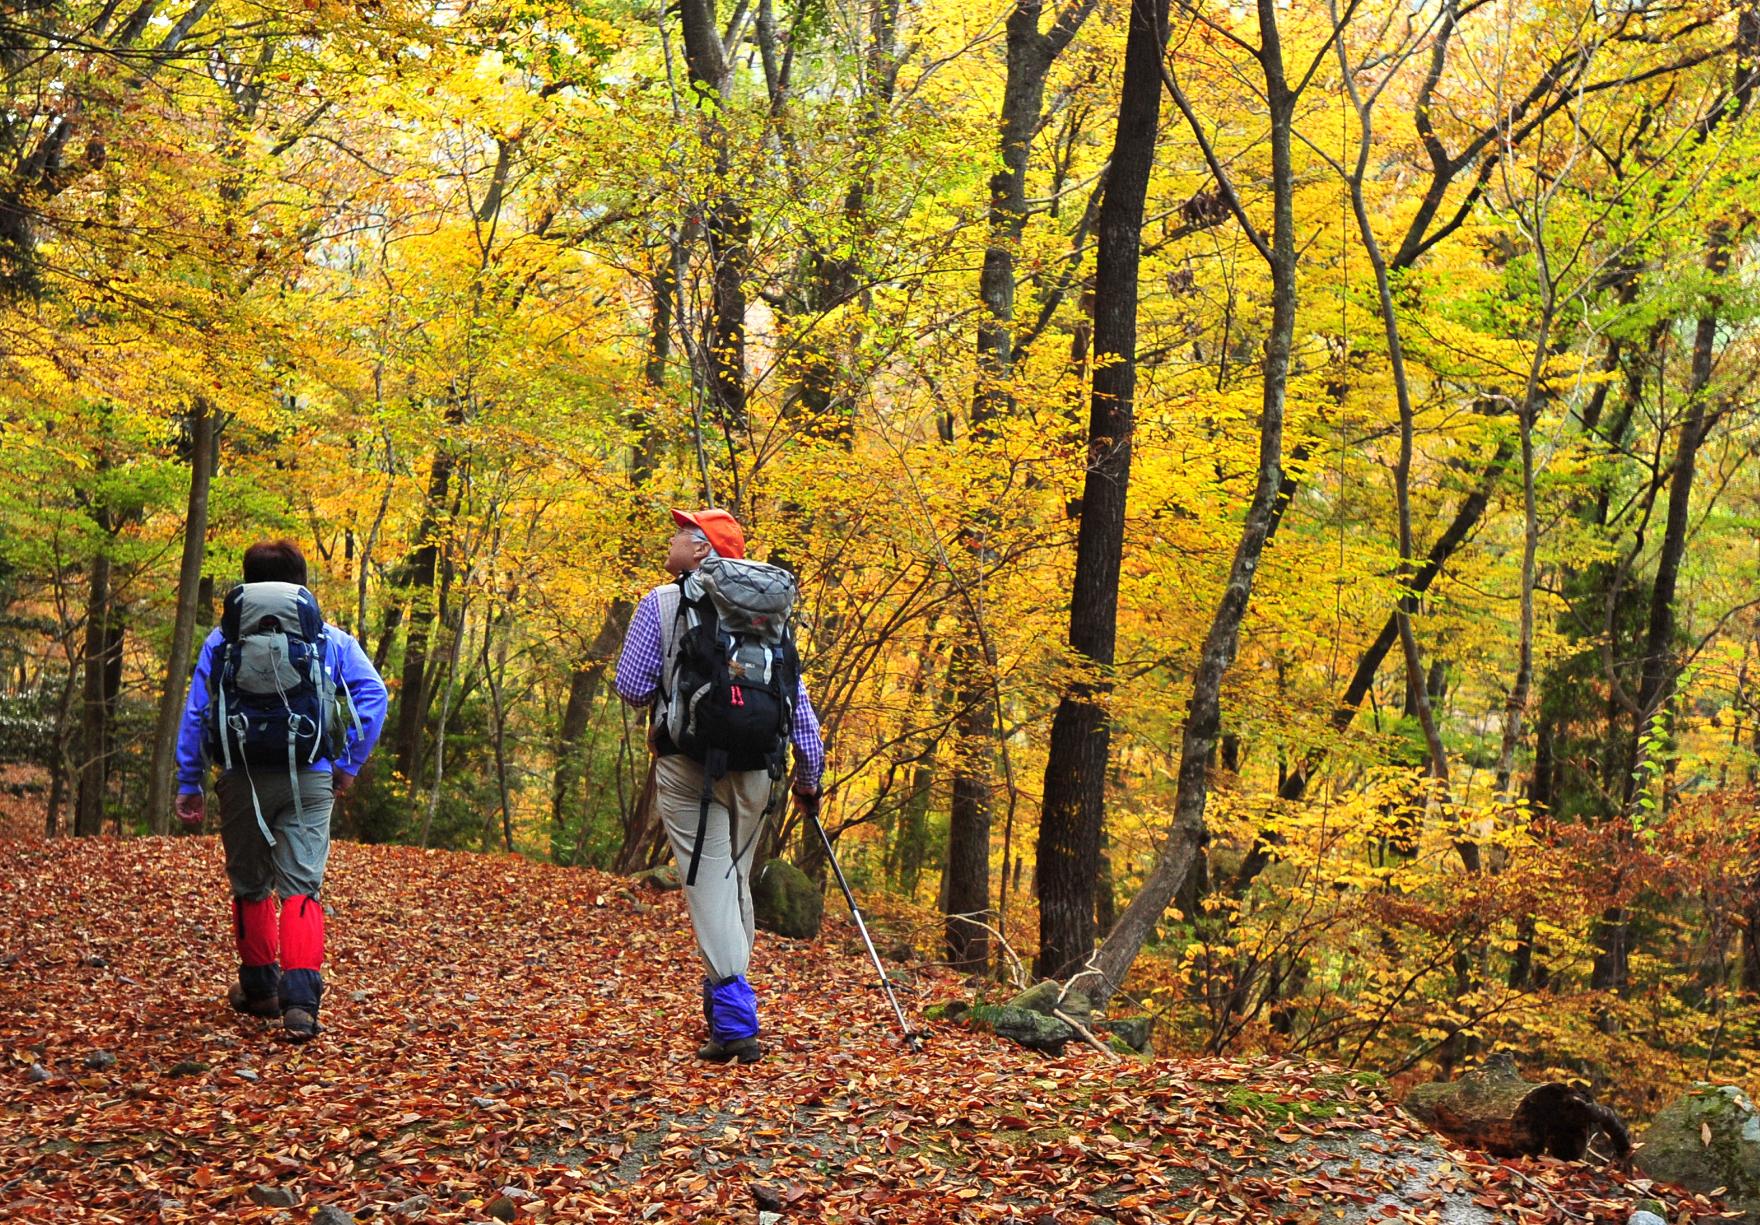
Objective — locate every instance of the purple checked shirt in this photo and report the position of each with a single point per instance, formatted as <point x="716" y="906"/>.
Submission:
<point x="638" y="680"/>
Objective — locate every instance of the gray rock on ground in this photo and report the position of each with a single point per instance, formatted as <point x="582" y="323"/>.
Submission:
<point x="785" y="901"/>
<point x="1709" y="1138"/>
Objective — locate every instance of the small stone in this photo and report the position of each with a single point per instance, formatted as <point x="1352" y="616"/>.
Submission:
<point x="1645" y="1218"/>
<point x="415" y="1205"/>
<point x="329" y="911"/>
<point x="100" y="1061"/>
<point x="274" y="1197"/>
<point x="330" y="1214"/>
<point x="501" y="1208"/>
<point x="94" y="962"/>
<point x="38" y="1074"/>
<point x="485" y="1103"/>
<point x="469" y="998"/>
<point x="519" y="1195"/>
<point x="359" y="997"/>
<point x="188" y="1067"/>
<point x="167" y="1204"/>
<point x="247" y="1074"/>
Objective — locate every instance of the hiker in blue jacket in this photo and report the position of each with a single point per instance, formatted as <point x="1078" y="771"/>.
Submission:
<point x="288" y="707"/>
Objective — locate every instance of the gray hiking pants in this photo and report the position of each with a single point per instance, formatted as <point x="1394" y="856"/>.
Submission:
<point x="295" y="864"/>
<point x="721" y="900"/>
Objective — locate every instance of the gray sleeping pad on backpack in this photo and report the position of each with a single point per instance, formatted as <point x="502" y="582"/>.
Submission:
<point x="751" y="597"/>
<point x="264" y="664"/>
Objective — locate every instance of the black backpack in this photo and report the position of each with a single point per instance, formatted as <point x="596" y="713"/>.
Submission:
<point x="728" y="692"/>
<point x="272" y="699"/>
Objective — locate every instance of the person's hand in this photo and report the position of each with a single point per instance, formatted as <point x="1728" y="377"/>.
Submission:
<point x="191" y="810"/>
<point x="340" y="782"/>
<point x="807" y="800"/>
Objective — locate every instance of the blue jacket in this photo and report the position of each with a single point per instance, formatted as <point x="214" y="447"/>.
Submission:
<point x="349" y="665"/>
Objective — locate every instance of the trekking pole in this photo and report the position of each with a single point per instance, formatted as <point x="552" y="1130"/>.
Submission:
<point x="911" y="1038"/>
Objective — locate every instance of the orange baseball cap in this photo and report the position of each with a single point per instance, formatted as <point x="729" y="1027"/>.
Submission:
<point x="722" y="529"/>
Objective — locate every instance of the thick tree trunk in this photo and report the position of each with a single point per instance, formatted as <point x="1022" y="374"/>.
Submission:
<point x="189" y="583"/>
<point x="1068" y="858"/>
<point x="1186" y="837"/>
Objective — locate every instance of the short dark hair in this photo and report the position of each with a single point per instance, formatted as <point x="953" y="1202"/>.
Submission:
<point x="274" y="561"/>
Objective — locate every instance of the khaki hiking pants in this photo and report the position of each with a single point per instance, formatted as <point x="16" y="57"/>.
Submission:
<point x="721" y="900"/>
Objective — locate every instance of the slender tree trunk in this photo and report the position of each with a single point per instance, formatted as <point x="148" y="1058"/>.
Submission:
<point x="189" y="581"/>
<point x="94" y="721"/>
<point x="1203" y="717"/>
<point x="1295" y="783"/>
<point x="420" y="573"/>
<point x="583" y="694"/>
<point x="1030" y="54"/>
<point x="966" y="882"/>
<point x="1068" y="857"/>
<point x="1416" y="688"/>
<point x="728" y="225"/>
<point x="1660" y="668"/>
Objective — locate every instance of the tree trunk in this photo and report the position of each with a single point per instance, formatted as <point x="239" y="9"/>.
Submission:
<point x="1203" y="717"/>
<point x="1030" y="55"/>
<point x="420" y="572"/>
<point x="1068" y="857"/>
<point x="728" y="225"/>
<point x="88" y="818"/>
<point x="583" y="692"/>
<point x="966" y="883"/>
<point x="189" y="583"/>
<point x="1294" y="784"/>
<point x="1660" y="668"/>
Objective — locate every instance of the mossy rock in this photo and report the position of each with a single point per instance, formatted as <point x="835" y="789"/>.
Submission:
<point x="1131" y="1033"/>
<point x="1043" y="999"/>
<point x="946" y="1010"/>
<point x="662" y="879"/>
<point x="1676" y="1148"/>
<point x="785" y="901"/>
<point x="1033" y="1030"/>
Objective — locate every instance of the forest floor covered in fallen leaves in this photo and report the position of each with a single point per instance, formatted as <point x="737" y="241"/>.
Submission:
<point x="509" y="1040"/>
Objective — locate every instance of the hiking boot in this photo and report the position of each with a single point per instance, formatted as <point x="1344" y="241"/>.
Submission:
<point x="746" y="1050"/>
<point x="300" y="1025"/>
<point x="264" y="1006"/>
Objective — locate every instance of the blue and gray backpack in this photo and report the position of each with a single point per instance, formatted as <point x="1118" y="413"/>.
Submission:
<point x="272" y="695"/>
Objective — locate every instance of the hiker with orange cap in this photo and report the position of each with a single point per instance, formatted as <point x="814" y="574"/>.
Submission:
<point x="712" y="654"/>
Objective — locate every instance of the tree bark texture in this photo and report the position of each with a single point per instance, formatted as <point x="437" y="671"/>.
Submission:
<point x="1186" y="837"/>
<point x="183" y="630"/>
<point x="1068" y="857"/>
